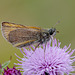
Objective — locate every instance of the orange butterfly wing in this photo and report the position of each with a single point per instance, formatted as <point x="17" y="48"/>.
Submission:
<point x="18" y="33"/>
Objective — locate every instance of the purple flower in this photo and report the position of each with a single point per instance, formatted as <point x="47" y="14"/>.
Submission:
<point x="11" y="71"/>
<point x="51" y="60"/>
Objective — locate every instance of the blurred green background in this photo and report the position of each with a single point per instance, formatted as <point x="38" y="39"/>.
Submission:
<point x="40" y="13"/>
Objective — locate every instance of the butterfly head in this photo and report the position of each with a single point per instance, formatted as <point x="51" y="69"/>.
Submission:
<point x="52" y="31"/>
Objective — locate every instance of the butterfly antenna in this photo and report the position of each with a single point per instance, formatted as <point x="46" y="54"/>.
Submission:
<point x="56" y="23"/>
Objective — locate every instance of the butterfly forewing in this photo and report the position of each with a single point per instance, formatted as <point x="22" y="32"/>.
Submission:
<point x="20" y="35"/>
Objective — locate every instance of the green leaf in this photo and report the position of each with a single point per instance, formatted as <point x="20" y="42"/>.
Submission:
<point x="2" y="66"/>
<point x="5" y="64"/>
<point x="1" y="71"/>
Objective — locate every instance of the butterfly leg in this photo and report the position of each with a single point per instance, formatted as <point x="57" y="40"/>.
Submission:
<point x="45" y="49"/>
<point x="37" y="45"/>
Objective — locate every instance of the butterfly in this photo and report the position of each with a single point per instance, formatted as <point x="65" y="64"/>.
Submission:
<point x="22" y="36"/>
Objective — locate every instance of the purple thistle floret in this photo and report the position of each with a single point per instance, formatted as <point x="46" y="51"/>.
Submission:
<point x="11" y="71"/>
<point x="51" y="60"/>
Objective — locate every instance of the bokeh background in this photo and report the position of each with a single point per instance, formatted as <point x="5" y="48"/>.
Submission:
<point x="40" y="13"/>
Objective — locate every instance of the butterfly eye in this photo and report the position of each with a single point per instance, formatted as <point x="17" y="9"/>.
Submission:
<point x="51" y="31"/>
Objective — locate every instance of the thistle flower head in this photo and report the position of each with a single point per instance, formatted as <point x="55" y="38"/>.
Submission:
<point x="11" y="71"/>
<point x="51" y="60"/>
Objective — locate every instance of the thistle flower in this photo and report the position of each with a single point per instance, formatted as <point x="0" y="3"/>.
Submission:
<point x="51" y="60"/>
<point x="11" y="71"/>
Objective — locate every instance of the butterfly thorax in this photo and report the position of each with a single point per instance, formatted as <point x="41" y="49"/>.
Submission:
<point x="46" y="36"/>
